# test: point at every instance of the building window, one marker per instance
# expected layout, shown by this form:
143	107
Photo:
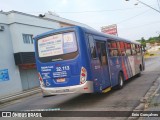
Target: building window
27	38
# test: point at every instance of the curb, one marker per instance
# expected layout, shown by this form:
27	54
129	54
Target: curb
145	101
19	95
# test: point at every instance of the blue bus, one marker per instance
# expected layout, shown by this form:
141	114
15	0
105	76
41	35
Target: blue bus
78	60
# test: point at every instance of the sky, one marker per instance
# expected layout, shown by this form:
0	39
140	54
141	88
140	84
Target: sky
133	21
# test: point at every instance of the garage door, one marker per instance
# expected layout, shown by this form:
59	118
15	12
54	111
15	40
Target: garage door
29	78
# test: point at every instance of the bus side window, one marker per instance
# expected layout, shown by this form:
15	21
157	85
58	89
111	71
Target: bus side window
118	47
133	47
98	45
104	54
138	49
101	50
122	49
92	47
128	49
113	48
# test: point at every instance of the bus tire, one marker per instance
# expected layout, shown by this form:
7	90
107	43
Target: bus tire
120	81
44	96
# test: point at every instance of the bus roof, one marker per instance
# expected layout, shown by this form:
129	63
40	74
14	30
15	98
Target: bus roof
108	35
92	31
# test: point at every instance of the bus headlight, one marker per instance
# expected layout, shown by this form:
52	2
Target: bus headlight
83	75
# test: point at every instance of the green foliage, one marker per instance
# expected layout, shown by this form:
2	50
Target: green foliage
143	41
151	40
152	54
147	53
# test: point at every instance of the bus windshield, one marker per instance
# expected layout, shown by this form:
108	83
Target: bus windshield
55	47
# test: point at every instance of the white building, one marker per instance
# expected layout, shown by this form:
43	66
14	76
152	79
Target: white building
17	63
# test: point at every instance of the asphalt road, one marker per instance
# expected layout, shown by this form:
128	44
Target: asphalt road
125	99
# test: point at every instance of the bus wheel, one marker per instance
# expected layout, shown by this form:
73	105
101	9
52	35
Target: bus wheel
120	81
44	96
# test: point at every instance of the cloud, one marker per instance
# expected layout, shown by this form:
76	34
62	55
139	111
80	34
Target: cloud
64	2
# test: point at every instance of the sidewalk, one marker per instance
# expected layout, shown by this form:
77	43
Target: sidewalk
150	102
154	105
19	95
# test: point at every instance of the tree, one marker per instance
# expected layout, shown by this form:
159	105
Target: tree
158	39
143	42
151	40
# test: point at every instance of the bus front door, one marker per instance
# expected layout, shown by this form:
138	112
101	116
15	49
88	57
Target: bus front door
103	61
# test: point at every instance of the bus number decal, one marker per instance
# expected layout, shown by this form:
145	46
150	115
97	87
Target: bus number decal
58	69
65	68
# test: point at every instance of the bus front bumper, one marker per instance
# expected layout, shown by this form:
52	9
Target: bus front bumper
87	87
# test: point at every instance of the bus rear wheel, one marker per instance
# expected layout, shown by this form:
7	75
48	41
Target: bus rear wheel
120	81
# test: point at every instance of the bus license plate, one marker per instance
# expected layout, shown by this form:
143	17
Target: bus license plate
61	80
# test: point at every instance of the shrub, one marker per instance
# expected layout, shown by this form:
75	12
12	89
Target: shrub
151	54
147	53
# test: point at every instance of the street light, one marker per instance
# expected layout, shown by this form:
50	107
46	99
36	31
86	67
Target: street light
146	5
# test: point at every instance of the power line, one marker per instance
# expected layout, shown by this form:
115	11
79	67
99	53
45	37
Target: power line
109	10
155	22
137	16
133	17
148	6
90	11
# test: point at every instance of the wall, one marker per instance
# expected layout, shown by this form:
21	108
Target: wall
13	85
17	38
4	18
65	25
11	41
27	24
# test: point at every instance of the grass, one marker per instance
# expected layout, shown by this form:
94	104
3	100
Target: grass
147	55
151	54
